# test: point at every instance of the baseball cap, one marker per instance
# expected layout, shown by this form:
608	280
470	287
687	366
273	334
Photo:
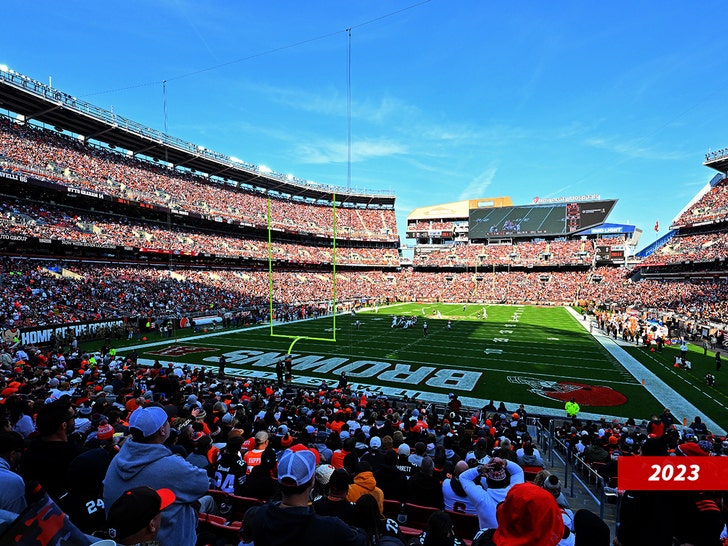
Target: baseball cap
148	420
375	442
296	466
404	449
136	507
261	436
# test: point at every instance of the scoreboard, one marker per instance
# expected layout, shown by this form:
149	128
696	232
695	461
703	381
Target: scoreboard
535	220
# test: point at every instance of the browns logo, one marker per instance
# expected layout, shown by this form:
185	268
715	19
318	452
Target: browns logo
584	395
181	350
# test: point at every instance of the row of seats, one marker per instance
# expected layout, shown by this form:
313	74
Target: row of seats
411	517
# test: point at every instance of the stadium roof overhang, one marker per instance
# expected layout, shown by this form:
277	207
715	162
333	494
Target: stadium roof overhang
719	163
35	101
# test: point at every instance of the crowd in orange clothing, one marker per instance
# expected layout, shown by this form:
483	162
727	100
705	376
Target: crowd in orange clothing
402	452
519	254
33	220
711	207
40	293
703	247
69	162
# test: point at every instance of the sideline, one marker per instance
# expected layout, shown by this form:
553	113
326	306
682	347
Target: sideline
664	394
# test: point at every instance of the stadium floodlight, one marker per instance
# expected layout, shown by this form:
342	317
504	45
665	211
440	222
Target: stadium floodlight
4	68
290	177
264	169
235	159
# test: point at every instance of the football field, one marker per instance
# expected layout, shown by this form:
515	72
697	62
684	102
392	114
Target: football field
538	356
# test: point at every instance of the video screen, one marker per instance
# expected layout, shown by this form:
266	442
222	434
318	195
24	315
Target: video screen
533	220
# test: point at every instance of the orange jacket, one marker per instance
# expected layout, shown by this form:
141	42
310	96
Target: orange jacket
365	484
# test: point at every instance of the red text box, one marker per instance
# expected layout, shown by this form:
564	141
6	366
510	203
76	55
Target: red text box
673	473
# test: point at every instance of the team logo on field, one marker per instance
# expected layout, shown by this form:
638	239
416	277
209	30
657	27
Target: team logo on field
181	350
584	395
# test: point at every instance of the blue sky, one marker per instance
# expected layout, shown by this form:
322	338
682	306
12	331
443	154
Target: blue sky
449	99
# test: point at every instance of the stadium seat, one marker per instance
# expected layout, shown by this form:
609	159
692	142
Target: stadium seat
409	532
392	508
529	472
232	507
466	525
417	515
219	526
240	505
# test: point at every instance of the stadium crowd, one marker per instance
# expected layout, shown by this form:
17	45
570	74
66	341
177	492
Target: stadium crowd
91	426
702	247
314	464
33	220
711	207
70	162
554	253
38	293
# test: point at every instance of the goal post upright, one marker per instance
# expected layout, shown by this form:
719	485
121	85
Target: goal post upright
297	338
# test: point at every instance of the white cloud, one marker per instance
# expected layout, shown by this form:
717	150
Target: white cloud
477	186
328	151
634	148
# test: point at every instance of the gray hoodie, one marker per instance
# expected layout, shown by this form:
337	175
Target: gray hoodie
154	465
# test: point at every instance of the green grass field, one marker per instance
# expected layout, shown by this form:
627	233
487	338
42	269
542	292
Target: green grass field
538	356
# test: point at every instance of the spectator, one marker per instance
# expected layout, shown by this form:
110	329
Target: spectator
230	468
48	457
83	503
374	455
336	503
596	453
500	476
381	531
365	484
293	521
416	458
261	483
252	457
22	417
144	460
403	463
423	488
642	513
590	529
338	456
136	516
439	532
12	487
390	479
528	455
454	497
528	516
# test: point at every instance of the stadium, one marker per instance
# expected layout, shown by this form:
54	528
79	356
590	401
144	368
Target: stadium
116	235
